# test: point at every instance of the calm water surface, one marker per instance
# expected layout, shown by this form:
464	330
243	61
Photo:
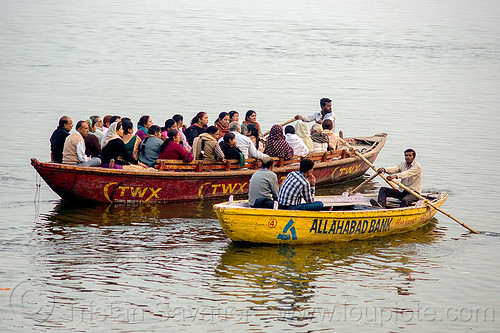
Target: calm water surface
425	72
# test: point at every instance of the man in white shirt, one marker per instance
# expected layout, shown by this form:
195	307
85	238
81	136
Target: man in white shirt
74	147
297	144
410	173
325	113
244	143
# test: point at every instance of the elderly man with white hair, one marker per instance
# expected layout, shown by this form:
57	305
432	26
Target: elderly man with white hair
244	143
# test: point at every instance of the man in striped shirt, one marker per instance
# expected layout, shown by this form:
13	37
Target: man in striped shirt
299	185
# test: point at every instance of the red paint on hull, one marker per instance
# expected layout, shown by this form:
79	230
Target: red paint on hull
73	183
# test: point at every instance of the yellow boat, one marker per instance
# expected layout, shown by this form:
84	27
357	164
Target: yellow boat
345	218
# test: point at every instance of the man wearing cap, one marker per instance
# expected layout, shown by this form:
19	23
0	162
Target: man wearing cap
263	188
299	185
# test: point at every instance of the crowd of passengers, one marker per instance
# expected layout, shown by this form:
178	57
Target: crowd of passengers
114	142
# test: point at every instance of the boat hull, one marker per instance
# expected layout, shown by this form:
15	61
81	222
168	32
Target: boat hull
303	227
74	183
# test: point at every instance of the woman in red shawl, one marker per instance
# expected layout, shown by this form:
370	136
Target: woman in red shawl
222	123
250	118
276	145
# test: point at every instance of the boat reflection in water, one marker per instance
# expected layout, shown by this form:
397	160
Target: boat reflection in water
125	214
286	277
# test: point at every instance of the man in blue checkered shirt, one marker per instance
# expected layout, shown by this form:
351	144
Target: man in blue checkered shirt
299	185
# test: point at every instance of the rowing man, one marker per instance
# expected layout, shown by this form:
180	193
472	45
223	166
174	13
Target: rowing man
325	113
410	173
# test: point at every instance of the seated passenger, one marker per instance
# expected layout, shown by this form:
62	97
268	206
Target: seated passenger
169	124
298	146
92	142
114	153
198	126
250	118
230	148
99	127
253	134
179	121
172	150
74	147
263	187
143	125
320	140
150	146
301	131
234	116
205	146
105	124
276	145
222	123
131	140
297	186
244	143
58	137
333	139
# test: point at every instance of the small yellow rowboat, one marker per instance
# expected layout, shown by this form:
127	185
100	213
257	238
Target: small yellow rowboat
345	218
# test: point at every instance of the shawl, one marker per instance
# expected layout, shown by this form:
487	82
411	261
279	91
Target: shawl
301	131
320	138
211	149
222	130
110	135
276	145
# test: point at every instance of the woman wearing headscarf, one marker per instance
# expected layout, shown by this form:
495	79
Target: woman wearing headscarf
320	140
276	145
301	131
92	143
114	153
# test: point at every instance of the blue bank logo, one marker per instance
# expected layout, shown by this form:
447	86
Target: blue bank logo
288	232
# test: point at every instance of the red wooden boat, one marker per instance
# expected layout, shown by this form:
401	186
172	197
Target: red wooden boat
178	181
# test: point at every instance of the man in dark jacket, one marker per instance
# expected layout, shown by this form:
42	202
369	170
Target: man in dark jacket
58	137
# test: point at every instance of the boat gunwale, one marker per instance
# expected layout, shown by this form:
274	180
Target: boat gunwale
400	211
379	139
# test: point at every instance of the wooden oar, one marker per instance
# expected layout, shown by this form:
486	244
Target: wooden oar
366	161
363	183
391	182
283	124
433	206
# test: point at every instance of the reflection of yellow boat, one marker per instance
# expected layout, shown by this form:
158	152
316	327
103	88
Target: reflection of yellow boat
349	218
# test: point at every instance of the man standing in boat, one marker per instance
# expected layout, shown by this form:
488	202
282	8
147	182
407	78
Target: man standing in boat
299	185
410	173
325	113
263	188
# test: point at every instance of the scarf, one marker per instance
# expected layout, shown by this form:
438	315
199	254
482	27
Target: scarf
301	131
256	124
276	145
110	135
142	128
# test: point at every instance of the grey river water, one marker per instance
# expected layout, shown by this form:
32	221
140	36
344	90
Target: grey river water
425	72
